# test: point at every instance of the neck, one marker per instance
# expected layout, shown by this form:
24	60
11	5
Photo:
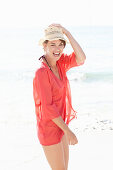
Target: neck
51	63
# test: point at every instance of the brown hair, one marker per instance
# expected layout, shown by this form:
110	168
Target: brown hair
46	41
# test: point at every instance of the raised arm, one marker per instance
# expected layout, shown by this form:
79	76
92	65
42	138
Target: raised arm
79	54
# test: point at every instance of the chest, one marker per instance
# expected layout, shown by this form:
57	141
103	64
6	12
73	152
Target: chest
58	83
56	73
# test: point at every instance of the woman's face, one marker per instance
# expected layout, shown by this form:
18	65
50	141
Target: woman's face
53	49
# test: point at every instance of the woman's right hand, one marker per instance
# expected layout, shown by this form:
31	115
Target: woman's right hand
72	139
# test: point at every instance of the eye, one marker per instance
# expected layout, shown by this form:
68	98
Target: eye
61	44
52	45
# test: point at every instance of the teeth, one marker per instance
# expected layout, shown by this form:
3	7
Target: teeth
57	53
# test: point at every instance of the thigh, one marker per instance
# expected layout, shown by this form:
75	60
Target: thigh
55	156
66	150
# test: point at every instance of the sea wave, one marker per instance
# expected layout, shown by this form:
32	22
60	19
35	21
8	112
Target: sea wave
91	76
28	75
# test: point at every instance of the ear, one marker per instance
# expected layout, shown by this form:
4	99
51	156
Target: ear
44	46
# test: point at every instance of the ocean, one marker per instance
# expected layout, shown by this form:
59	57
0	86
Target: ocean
91	85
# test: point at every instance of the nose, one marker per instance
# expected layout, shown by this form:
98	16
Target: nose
58	48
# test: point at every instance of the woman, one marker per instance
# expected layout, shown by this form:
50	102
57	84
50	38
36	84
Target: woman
52	95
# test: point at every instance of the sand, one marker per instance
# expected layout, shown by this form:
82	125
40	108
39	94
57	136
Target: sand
20	149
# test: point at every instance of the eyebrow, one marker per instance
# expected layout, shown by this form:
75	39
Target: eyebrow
52	43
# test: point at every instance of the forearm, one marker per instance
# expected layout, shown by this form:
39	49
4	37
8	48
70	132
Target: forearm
80	55
69	134
60	123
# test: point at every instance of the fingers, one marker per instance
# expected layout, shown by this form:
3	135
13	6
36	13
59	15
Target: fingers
59	26
73	141
71	138
55	25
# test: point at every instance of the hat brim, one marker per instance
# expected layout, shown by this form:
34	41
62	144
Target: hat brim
41	41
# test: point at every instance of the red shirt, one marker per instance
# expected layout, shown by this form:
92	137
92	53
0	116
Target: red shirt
52	97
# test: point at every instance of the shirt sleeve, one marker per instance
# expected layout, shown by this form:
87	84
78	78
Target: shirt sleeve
43	89
68	61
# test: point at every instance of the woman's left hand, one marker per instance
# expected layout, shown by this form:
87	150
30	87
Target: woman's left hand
79	54
64	30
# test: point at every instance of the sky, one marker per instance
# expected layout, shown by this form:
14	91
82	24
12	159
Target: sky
37	13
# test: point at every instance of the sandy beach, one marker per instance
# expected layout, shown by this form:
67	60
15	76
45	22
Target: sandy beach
20	149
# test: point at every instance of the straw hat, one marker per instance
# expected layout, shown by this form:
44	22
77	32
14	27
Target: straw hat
52	33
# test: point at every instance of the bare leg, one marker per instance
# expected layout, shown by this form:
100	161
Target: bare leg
55	156
66	150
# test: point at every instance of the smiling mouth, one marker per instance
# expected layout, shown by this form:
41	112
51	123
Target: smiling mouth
56	54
